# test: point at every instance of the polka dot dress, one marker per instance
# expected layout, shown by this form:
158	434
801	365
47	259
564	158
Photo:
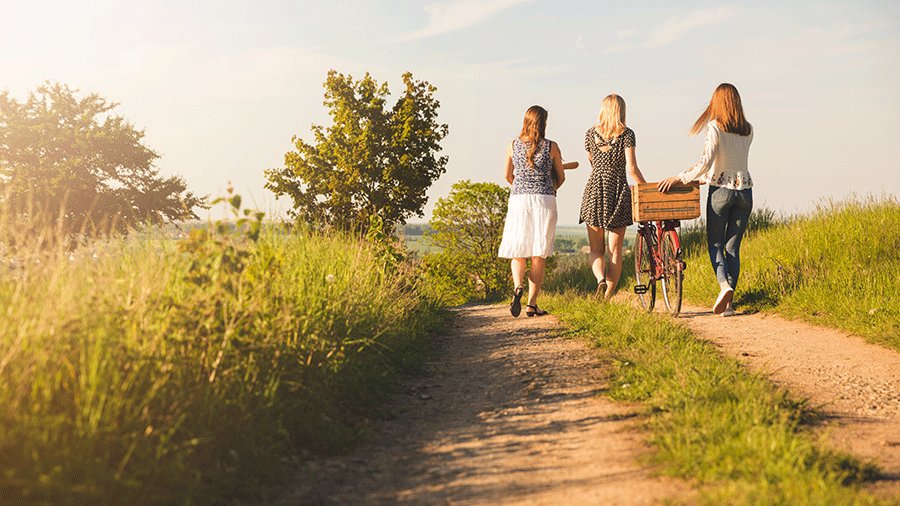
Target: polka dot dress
607	199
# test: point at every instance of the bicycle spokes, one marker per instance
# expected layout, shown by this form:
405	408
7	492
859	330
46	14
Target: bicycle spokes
644	263
672	271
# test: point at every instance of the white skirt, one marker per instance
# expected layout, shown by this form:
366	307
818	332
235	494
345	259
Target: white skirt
530	227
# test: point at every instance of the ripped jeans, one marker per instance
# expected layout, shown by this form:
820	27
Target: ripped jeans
727	215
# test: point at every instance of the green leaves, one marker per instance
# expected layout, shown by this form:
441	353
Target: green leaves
468	226
68	157
370	161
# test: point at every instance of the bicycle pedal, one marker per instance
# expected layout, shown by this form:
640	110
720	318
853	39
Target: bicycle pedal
640	289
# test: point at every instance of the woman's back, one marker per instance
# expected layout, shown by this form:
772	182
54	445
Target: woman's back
729	166
537	180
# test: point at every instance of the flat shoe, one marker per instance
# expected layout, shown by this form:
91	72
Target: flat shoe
536	312
601	288
516	306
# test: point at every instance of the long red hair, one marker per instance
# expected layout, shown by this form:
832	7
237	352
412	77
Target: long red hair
726	109
533	128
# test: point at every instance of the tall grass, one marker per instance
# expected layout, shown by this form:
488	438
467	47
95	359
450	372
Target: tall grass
568	273
727	429
157	371
836	266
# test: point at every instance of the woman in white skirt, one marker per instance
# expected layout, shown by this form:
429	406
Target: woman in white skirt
534	169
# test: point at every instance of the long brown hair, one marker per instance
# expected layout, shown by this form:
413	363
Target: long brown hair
726	109
533	128
611	120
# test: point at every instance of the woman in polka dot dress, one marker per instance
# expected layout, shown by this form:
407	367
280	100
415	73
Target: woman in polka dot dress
606	204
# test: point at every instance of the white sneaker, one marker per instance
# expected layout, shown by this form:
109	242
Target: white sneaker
723	300
729	311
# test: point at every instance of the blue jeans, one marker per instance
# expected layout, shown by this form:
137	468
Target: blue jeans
727	215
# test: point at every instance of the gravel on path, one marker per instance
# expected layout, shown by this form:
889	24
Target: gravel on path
513	414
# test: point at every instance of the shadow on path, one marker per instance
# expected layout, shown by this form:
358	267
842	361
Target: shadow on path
512	414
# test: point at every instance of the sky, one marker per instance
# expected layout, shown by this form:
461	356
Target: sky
221	87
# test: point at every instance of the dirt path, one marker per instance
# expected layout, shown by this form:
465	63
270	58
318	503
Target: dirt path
855	384
514	415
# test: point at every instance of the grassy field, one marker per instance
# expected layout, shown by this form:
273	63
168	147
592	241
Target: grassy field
155	371
162	371
836	266
714	422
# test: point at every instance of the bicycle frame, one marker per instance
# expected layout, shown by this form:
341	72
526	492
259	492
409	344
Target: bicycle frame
662	263
658	229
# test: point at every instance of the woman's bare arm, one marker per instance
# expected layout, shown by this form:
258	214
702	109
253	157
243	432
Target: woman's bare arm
509	175
632	166
556	155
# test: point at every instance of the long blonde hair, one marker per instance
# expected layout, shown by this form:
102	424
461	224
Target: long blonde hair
611	120
533	128
726	109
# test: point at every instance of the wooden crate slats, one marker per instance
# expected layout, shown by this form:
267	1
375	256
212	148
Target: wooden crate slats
681	202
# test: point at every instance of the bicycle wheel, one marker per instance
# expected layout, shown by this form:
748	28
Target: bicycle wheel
672	272
643	272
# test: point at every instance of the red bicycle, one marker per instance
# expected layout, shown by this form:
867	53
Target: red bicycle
657	256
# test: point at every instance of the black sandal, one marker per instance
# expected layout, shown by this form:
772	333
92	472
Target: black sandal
516	306
601	288
536	312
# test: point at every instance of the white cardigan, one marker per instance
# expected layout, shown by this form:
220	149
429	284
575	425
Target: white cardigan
724	160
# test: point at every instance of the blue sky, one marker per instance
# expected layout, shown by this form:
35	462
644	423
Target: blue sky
220	88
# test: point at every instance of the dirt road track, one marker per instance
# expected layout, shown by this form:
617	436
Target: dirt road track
514	415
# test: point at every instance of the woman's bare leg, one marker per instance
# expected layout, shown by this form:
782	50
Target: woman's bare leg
518	267
597	258
535	279
616	240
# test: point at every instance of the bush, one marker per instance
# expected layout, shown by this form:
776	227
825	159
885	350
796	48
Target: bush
468	228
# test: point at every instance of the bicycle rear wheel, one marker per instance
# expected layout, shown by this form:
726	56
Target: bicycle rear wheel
673	275
643	272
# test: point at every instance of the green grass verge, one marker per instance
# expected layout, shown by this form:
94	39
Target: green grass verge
836	266
181	372
741	439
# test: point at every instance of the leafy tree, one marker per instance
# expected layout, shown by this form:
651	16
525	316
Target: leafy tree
68	158
468	226
370	161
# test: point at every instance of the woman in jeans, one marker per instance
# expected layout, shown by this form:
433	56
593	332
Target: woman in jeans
724	166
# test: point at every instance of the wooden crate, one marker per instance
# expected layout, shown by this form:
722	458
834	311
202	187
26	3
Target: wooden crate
681	202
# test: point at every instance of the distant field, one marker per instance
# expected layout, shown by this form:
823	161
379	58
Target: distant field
420	244
571	230
415	241
581	231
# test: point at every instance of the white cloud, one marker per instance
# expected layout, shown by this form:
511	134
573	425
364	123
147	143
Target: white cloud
451	16
675	28
617	48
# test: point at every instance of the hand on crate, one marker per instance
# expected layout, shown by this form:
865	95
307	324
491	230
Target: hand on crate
667	183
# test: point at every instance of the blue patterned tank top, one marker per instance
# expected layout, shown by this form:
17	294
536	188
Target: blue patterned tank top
532	181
